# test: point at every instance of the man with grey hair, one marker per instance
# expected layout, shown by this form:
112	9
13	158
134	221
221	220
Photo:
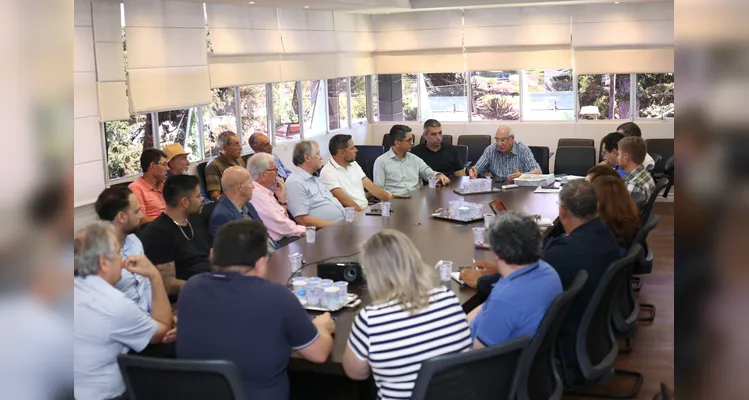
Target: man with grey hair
260	143
519	300
107	323
506	159
269	199
230	154
310	201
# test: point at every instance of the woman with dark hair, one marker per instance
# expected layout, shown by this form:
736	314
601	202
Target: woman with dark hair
617	209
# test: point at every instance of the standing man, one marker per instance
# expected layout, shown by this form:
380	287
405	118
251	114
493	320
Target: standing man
310	202
398	171
148	188
345	178
176	159
632	151
260	143
230	154
506	159
441	157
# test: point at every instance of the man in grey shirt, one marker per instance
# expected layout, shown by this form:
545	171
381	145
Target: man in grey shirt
506	159
398	171
310	201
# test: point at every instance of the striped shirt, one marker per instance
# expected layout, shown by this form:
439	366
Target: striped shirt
501	165
396	343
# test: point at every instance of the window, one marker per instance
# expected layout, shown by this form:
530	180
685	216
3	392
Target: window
220	116
548	95
125	142
359	100
337	103
285	112
253	110
180	126
604	96
410	97
496	95
655	95
313	104
446	95
375	99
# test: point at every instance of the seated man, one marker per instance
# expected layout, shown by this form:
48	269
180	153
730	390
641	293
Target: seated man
176	159
119	206
107	323
400	172
178	241
260	143
345	178
631	129
230	154
269	200
310	202
528	285
610	151
441	157
506	159
233	313
632	151
148	188
235	203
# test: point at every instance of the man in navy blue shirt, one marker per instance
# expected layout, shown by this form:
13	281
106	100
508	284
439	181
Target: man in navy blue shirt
233	313
528	285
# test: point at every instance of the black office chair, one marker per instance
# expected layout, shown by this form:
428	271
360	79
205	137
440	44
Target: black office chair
487	373
205	215
669	173
537	378
663	147
656	159
476	145
644	263
366	156
648	208
595	345
640	199
246	157
149	378
201	175
387	143
445	139
463	155
574	160
541	154
575	142
121	184
627	310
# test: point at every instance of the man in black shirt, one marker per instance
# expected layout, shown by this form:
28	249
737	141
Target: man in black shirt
441	157
177	241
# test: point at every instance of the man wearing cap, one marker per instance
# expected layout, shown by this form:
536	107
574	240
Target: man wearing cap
176	159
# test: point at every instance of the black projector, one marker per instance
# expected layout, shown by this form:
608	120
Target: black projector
344	271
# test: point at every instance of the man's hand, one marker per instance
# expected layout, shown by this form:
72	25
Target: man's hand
442	179
470	276
139	264
473	173
488	266
279	189
170	336
325	323
515	174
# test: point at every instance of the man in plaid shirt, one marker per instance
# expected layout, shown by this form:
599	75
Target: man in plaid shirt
632	151
506	159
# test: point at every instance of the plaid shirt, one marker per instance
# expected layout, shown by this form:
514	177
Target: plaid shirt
501	165
640	181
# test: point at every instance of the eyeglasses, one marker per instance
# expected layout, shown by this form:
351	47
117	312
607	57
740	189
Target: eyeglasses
272	169
410	140
164	164
504	139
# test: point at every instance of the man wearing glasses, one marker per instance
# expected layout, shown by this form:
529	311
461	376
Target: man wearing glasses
147	188
230	155
506	159
398	171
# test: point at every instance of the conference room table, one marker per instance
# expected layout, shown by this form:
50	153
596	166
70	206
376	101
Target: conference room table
435	239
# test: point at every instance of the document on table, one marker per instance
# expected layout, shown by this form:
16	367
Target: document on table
549	190
456	277
568	178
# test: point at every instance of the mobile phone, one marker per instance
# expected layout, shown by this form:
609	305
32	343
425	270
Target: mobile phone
460	269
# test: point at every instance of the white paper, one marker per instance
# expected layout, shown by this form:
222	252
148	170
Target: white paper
542	190
456	277
569	178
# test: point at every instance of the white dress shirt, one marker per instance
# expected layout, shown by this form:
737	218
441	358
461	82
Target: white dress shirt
348	179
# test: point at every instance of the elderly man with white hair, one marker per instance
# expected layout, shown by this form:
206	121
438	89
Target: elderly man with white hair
107	323
506	159
269	199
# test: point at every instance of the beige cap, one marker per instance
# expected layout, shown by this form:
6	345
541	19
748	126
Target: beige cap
173	150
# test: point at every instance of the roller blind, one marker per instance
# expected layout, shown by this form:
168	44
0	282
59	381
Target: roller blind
417	31
510	58
448	60
110	62
624	61
623	25
517	26
309	43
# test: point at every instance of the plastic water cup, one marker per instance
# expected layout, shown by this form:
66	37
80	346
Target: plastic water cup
314	292
324	284
464	213
446	269
453	207
385	208
311	231
295	260
488	219
487	184
332	299
476	210
342	290
349	214
475	185
432	182
300	289
478	236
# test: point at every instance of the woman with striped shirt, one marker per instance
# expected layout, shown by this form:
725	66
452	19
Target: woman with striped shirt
411	319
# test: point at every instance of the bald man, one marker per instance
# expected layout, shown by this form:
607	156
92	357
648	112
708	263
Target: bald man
506	158
235	202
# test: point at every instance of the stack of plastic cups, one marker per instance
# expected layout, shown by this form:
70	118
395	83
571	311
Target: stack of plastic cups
324	284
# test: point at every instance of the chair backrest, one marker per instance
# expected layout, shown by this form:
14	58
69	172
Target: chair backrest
595	345
648	208
366	156
669	168
640	199
664	147
656	158
206	212
387	143
462	154
246	157
476	145
541	154
486	373
169	379
201	175
445	139
574	160
537	378
575	142
646	228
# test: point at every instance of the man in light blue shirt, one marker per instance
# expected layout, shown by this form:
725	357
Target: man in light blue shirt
260	143
310	201
398	171
119	206
107	323
506	159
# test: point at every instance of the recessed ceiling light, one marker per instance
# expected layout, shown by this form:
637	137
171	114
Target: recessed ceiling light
252	2
616	2
306	6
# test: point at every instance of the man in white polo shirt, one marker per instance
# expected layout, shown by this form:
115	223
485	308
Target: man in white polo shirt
345	178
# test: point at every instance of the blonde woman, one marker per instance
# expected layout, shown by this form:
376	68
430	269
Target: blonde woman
411	319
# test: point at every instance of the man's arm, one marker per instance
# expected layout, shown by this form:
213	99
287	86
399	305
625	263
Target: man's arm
320	349
376	191
378	173
346	201
482	164
168	273
212	182
161	310
308	220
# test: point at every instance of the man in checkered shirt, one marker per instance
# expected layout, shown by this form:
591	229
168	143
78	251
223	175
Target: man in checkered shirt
506	159
632	151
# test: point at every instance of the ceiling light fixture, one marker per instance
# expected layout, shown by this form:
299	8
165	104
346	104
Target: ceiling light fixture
306	6
252	2
616	2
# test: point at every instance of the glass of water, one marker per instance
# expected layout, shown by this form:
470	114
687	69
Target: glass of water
446	269
478	236
295	260
432	182
385	208
488	219
349	213
310	234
